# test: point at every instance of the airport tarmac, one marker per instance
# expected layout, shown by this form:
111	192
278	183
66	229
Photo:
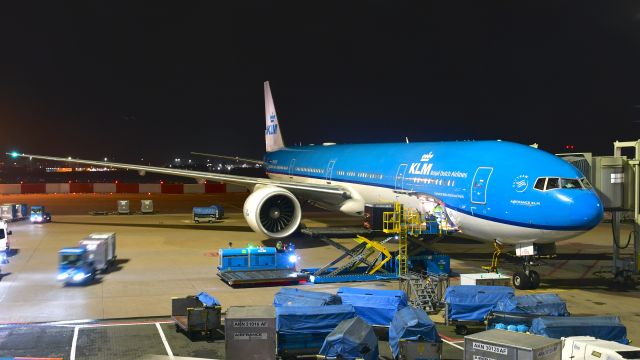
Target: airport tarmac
166	255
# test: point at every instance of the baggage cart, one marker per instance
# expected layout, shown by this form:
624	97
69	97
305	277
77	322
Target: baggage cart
199	314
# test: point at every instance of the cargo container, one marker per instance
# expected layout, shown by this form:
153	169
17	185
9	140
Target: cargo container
490	279
250	333
508	345
8	212
123	207
146	206
21	211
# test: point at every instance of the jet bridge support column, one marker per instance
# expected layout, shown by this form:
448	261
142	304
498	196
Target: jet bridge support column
631	199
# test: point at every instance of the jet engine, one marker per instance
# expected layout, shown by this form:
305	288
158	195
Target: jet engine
272	211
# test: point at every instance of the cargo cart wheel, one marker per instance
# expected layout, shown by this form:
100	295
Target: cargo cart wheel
534	279
196	221
462	330
521	280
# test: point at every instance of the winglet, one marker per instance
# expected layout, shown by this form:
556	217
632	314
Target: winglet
272	133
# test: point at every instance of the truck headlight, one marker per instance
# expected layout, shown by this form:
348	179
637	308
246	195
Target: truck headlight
79	276
63	276
293	258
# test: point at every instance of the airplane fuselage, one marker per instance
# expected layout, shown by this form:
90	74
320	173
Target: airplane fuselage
492	190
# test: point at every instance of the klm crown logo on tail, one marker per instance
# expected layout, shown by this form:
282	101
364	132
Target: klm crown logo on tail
272	127
272	134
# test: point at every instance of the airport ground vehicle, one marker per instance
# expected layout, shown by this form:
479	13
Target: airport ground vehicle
4	236
39	215
590	348
254	265
209	213
80	264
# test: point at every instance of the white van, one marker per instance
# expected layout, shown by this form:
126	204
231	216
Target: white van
4	236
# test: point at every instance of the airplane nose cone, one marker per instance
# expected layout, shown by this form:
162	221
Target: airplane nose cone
586	210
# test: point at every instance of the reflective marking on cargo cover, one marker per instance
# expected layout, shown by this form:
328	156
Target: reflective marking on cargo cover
250	324
491	348
250	336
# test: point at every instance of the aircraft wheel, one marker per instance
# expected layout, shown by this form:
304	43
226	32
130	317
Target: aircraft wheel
521	280
534	279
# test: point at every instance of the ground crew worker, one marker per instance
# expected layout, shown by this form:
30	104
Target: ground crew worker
279	246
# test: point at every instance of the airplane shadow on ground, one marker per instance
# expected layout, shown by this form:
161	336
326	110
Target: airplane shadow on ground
166	226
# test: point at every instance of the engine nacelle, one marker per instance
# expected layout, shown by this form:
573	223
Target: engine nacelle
272	211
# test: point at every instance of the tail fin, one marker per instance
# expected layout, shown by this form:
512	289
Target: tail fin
272	134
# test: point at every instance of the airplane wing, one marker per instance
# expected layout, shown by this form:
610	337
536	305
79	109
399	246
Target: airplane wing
337	193
229	157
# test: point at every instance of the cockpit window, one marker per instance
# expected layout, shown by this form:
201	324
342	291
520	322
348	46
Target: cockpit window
550	183
570	184
553	183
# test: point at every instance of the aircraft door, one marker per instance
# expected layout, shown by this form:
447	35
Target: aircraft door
479	185
329	171
399	184
291	166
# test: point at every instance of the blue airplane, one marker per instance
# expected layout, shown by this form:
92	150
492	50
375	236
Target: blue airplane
494	191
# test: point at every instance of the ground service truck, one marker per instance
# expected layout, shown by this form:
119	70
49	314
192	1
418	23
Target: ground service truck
39	215
80	264
4	236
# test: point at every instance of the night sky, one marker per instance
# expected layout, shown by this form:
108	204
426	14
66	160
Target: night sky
131	80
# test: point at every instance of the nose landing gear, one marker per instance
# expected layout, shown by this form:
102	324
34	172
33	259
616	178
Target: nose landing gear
525	279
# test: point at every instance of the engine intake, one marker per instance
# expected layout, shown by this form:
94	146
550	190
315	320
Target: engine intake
272	211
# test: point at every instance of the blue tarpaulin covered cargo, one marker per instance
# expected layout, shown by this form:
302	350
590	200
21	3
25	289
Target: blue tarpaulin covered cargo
473	302
207	299
411	324
294	319
601	327
376	307
540	304
297	297
302	329
351	339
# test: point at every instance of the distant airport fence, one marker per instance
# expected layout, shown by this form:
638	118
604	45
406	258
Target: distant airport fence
120	188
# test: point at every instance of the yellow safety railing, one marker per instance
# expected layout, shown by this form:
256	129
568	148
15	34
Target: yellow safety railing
395	222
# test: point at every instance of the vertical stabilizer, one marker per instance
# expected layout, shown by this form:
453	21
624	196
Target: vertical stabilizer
272	134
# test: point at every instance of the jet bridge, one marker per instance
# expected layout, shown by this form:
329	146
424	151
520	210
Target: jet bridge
616	181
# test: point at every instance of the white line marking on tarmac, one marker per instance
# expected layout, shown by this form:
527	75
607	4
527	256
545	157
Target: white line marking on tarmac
454	345
164	341
73	343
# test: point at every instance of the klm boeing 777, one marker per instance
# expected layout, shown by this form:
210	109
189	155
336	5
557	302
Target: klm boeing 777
494	191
